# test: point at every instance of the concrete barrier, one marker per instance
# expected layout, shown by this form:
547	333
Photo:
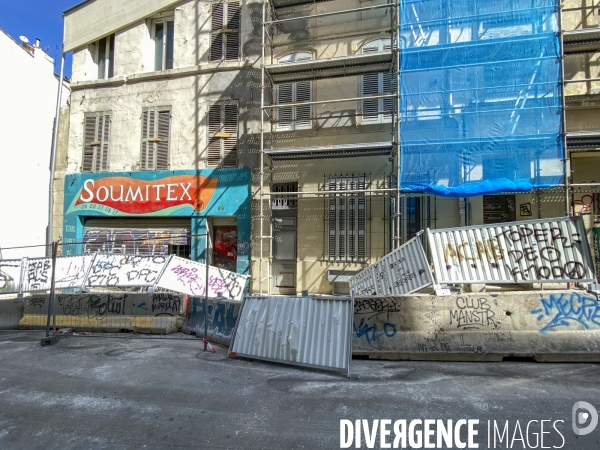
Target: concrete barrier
548	326
156	313
11	312
222	317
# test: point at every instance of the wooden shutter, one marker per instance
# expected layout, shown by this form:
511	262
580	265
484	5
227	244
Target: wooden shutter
223	135
232	38
102	159
332	200
96	142
89	151
214	127
303	112
216	37
230	126
147	156
162	133
370	108
285	94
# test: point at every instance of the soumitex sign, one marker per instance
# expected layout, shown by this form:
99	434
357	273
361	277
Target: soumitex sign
117	194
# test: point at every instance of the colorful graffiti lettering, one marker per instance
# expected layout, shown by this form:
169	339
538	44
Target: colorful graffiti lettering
567	309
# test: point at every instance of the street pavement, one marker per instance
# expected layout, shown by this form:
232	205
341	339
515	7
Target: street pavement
112	393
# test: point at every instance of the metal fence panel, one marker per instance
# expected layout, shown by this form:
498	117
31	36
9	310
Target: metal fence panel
532	251
401	272
307	331
188	277
126	270
10	275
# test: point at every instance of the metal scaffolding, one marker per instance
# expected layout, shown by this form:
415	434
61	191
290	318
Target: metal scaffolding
273	12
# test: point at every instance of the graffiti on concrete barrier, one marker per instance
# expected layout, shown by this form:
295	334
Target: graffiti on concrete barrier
37	302
567	309
372	307
371	333
166	303
473	314
93	306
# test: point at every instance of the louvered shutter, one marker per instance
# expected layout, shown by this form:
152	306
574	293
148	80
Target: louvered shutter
89	150
303	112
361	224
162	133
370	107
232	38
216	37
285	94
214	126
332	200
231	127
341	221
378	110
147	157
102	161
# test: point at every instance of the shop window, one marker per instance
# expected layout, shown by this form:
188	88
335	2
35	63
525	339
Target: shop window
105	57
347	219
156	124
378	83
299	116
163	32
222	134
96	142
225	31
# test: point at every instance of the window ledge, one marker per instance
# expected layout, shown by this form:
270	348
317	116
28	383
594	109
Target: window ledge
212	67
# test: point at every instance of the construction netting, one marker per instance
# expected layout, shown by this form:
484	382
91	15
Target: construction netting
481	109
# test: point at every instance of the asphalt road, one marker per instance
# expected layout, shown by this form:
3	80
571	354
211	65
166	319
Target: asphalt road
101	393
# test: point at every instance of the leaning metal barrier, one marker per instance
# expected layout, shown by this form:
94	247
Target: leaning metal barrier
305	331
533	251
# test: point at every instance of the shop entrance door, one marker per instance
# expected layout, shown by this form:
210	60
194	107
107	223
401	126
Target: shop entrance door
285	231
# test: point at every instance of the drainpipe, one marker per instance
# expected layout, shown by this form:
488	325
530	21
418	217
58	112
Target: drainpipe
55	141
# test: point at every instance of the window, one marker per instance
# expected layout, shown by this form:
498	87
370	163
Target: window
163	31
347	219
377	110
96	142
156	124
225	31
222	134
105	57
294	117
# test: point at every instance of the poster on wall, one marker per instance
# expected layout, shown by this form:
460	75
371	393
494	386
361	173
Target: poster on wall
189	277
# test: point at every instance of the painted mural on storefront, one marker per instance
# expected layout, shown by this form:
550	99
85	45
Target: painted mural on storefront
198	195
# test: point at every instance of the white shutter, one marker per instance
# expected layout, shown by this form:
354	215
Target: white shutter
232	39
378	110
303	93
297	116
217	18
162	133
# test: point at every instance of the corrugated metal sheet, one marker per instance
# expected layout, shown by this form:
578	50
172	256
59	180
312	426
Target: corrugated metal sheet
307	331
401	272
10	276
533	251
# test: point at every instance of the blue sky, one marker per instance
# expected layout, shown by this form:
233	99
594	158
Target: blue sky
37	19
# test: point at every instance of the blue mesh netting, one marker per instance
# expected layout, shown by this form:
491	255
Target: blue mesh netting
481	107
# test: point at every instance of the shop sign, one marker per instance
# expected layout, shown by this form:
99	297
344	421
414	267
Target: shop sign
134	196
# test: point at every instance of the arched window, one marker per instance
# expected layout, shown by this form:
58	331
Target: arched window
377	110
295	117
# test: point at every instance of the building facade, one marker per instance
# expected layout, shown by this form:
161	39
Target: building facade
275	127
28	88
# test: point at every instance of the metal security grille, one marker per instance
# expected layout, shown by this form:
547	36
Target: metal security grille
284	201
347	219
96	142
223	134
225	31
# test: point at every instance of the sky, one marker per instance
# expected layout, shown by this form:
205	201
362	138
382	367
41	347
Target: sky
38	19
